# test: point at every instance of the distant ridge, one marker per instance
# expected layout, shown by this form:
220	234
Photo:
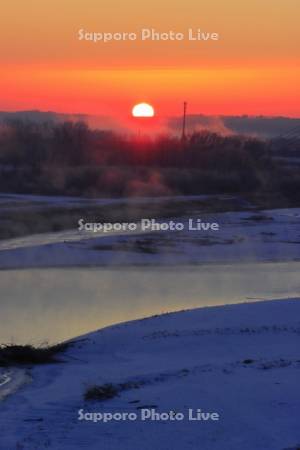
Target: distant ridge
260	126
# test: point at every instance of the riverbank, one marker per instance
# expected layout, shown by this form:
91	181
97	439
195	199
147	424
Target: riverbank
238	361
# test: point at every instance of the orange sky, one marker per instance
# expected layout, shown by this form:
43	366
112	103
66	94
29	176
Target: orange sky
252	69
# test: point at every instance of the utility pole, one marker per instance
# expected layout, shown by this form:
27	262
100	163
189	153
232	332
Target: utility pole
183	137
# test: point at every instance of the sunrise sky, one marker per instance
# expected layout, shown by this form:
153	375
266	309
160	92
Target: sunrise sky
252	69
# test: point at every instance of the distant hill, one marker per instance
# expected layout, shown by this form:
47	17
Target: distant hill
260	126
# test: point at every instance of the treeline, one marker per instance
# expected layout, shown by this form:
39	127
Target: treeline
73	144
72	159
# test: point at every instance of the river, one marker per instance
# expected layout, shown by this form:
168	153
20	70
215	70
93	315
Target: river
50	305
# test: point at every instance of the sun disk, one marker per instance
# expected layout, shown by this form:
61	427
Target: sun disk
143	110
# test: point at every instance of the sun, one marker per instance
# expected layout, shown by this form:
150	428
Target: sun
143	110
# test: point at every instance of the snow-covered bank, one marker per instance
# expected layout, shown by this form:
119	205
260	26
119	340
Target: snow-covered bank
11	380
271	235
241	361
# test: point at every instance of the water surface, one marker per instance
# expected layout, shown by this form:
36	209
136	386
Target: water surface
39	305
